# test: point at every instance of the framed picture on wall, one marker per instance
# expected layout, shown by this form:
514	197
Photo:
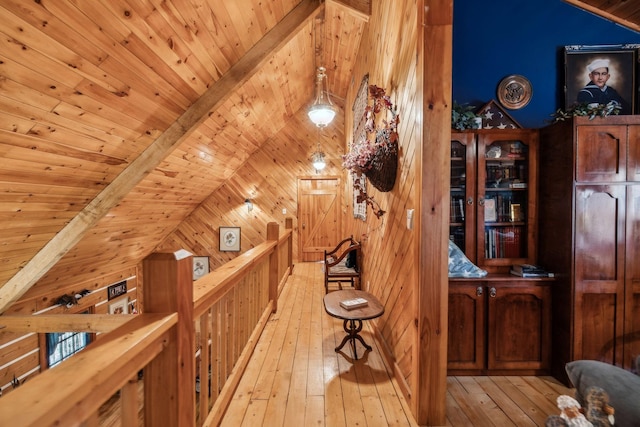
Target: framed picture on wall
230	239
602	74
120	306
200	266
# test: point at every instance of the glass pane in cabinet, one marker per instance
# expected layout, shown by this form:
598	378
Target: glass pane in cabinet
505	200
458	191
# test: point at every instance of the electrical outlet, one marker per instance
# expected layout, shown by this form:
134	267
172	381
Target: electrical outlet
284	211
367	286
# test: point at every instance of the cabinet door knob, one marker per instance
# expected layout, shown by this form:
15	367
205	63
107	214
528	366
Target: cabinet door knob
492	292
479	291
481	201
470	201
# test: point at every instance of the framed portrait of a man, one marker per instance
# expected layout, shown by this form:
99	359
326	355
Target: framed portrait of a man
599	75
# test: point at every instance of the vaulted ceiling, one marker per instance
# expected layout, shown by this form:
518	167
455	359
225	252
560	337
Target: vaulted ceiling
119	117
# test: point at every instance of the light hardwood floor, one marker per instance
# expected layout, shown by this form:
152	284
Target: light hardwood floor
295	378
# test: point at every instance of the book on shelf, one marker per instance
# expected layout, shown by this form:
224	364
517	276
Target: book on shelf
518	185
531	275
529	270
350	304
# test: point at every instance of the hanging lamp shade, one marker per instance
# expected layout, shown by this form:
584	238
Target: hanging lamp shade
318	161
322	112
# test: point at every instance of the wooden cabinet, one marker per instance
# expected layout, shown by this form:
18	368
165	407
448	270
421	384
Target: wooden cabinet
589	214
493	196
499	325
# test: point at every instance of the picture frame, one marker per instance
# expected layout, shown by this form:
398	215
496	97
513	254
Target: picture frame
200	266
623	72
229	239
120	306
359	187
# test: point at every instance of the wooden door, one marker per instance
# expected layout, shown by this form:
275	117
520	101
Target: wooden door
599	272
519	326
601	153
632	278
633	160
462	225
318	216
507	198
466	347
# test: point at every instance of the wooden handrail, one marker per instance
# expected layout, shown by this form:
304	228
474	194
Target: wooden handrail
210	288
95	323
74	390
128	344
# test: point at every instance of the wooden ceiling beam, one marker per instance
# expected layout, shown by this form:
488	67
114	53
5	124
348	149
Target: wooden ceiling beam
604	13
151	158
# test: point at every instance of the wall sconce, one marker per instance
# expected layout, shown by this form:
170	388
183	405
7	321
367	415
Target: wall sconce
249	204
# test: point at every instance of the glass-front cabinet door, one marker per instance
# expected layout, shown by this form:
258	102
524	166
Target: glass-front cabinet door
506	197
462	214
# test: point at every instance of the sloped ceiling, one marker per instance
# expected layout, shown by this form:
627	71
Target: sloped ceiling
118	117
623	12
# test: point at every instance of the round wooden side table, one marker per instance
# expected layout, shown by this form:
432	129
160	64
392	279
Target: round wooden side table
352	317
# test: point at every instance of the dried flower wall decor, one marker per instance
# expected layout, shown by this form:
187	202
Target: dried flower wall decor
376	155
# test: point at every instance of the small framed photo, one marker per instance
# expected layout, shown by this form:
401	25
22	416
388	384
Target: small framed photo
230	239
120	306
200	266
602	74
490	213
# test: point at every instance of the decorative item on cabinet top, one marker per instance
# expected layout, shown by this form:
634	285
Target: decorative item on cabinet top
598	75
377	158
495	117
464	117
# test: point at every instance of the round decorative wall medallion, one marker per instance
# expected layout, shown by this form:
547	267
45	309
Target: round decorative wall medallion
514	92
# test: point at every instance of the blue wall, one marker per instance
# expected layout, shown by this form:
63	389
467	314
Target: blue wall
494	39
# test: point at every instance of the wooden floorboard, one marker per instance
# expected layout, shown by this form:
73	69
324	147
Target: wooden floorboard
295	377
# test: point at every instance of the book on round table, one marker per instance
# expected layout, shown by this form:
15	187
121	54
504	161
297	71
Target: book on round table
350	304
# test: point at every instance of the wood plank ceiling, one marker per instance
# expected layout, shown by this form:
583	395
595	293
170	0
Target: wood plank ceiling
119	117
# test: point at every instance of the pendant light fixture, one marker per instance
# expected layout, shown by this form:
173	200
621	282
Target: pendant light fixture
318	157
322	112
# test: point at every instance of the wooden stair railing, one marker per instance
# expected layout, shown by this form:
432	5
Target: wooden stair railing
234	301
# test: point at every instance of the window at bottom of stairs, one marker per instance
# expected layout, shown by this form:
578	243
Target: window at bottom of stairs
63	345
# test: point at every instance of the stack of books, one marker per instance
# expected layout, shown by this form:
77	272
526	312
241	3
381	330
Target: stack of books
350	304
529	270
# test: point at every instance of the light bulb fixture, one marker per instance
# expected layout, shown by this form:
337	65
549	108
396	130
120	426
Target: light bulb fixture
318	160
322	112
249	204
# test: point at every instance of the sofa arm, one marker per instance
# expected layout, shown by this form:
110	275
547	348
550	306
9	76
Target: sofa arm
622	386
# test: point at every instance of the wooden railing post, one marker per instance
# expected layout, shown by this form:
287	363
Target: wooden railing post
169	396
288	224
273	233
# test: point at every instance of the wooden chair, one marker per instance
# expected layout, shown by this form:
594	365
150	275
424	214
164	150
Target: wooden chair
343	264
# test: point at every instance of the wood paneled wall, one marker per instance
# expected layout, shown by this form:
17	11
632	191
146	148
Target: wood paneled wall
392	53
388	245
269	177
